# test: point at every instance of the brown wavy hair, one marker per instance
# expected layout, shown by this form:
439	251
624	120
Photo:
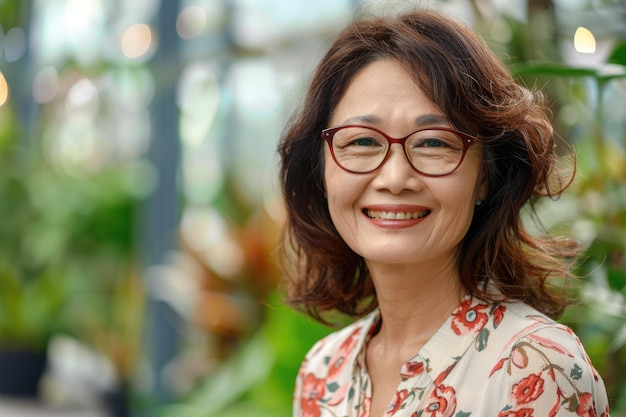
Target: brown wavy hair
456	70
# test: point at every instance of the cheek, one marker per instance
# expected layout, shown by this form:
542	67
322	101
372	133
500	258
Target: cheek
334	181
337	188
342	193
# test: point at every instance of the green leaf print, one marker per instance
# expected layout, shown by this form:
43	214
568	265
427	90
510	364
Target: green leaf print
481	340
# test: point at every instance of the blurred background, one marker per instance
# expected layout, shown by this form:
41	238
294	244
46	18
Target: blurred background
139	207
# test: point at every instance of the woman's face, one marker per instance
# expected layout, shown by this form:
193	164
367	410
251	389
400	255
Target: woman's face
383	95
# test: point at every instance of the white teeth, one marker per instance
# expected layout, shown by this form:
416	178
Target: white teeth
392	215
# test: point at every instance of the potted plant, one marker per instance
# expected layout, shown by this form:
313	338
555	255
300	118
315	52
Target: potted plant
31	311
64	240
30	297
32	294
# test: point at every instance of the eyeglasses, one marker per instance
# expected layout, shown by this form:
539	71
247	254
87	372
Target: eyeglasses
434	151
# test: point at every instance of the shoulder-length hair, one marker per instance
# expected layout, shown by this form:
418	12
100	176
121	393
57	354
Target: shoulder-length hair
456	70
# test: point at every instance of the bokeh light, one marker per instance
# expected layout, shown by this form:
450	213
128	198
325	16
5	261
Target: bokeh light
4	89
584	41
136	40
45	85
191	22
14	44
81	95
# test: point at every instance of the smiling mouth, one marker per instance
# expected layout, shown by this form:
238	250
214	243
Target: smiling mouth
396	215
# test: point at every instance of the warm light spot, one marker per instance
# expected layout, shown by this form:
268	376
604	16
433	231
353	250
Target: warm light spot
584	41
4	89
136	40
191	22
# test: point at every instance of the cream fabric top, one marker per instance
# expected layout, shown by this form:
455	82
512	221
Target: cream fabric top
488	359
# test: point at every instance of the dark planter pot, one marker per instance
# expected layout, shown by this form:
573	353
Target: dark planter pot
20	372
117	401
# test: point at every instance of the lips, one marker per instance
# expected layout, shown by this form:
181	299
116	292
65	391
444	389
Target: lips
396	215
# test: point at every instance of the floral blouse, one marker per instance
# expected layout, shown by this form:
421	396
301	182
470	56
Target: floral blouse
488	359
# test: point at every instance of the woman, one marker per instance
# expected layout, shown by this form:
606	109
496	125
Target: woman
404	175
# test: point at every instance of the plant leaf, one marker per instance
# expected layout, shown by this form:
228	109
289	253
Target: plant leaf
618	56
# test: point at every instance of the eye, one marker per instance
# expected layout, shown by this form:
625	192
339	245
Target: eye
365	142
439	140
431	143
434	143
358	138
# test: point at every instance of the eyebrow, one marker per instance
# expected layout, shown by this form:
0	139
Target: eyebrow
422	120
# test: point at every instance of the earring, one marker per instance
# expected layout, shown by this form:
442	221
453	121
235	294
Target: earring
479	202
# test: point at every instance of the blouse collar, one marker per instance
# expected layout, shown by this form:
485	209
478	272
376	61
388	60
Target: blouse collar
463	329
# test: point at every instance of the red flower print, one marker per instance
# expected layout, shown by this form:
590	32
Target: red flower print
467	318
498	315
411	369
586	406
338	360
312	391
528	389
395	405
441	402
522	412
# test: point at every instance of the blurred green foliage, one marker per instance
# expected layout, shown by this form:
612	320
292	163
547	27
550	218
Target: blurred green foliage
258	379
67	239
63	241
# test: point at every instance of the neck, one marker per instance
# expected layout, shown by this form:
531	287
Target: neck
415	301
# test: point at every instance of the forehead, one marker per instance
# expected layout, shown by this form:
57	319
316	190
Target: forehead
383	91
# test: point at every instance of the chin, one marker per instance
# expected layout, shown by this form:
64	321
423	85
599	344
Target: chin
392	258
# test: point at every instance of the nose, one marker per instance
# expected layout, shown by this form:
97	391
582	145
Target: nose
396	173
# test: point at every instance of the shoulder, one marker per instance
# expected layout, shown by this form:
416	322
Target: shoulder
530	336
543	366
336	353
347	340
